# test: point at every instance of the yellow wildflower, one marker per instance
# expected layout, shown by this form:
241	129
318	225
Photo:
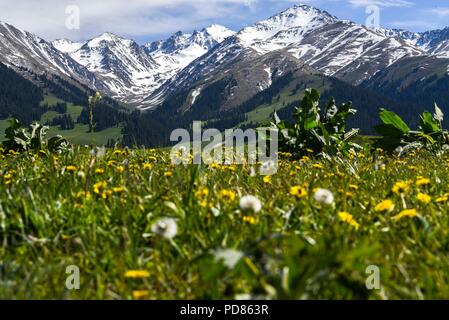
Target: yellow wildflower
202	193
400	187
168	174
353	187
250	219
409	213
99	171
317	166
384	206
204	204
349	219
120	169
422	181
118	189
147	166
424	198
267	179
137	274
140	294
8	179
228	194
99	187
442	199
298	191
71	168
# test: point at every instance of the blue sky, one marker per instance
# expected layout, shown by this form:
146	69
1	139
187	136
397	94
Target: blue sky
146	20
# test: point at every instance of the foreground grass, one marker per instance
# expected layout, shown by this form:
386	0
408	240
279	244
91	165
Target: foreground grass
96	212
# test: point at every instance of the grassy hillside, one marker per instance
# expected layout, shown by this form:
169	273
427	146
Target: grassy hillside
79	135
101	216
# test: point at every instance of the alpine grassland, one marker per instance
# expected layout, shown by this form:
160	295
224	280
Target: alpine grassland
337	220
139	228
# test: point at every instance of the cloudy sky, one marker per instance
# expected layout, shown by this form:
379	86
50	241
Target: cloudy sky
145	20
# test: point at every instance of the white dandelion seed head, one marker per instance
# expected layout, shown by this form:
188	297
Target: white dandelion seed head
165	227
250	203
268	168
81	175
324	196
230	257
399	150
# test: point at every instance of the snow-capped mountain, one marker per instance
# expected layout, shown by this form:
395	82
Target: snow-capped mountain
343	49
21	49
435	42
146	75
123	65
131	71
178	51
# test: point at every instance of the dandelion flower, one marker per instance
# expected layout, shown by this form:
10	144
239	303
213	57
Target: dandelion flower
298	191
409	213
137	274
384	206
227	194
250	220
202	193
165	227
168	174
324	196
99	187
424	198
422	181
147	166
250	203
349	219
400	187
71	168
140	294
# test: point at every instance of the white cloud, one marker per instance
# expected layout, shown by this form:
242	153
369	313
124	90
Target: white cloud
442	11
128	18
381	3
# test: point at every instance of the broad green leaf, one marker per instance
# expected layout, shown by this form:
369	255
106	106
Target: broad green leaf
391	118
428	123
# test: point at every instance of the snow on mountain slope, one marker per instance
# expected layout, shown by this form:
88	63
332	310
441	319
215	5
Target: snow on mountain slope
132	72
66	45
21	49
435	42
175	53
338	48
128	71
302	18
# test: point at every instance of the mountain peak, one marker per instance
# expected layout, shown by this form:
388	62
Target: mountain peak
299	16
218	32
104	37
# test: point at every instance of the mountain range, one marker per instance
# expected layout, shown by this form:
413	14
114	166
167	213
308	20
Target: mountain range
227	70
